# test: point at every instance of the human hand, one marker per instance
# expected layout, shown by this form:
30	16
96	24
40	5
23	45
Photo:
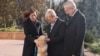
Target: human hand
73	55
47	39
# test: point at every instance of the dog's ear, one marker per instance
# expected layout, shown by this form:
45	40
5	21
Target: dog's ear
35	40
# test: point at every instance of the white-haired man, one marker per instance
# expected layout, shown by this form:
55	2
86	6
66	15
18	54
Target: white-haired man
75	30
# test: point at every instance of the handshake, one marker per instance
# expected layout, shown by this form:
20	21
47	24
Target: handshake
41	43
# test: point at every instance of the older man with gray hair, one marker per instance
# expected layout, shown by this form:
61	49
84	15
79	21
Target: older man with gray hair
75	30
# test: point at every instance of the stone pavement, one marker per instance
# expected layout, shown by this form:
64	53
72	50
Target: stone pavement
15	47
87	53
11	47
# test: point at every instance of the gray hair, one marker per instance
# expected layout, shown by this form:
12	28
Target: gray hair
70	3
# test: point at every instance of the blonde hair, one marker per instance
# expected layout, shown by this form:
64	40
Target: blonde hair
50	13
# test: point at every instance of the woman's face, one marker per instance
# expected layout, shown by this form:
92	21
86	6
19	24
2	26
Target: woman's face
33	16
50	19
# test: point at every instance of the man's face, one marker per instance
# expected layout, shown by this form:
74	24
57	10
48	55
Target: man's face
68	10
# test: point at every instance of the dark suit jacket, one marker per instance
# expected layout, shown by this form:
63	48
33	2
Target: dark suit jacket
56	44
75	35
32	31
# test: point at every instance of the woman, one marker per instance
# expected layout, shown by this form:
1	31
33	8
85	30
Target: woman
32	29
56	32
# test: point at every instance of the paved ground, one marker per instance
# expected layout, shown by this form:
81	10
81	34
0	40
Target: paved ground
87	53
15	47
11	47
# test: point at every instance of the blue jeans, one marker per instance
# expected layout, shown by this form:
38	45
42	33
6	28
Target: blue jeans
35	54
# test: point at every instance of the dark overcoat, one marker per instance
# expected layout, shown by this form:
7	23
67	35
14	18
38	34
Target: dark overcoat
74	35
56	35
31	30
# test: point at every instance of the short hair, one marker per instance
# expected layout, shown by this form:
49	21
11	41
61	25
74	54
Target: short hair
50	13
70	3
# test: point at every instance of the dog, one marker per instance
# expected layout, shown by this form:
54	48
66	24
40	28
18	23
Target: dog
41	43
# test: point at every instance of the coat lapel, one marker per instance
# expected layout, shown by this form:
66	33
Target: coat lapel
35	26
55	26
71	19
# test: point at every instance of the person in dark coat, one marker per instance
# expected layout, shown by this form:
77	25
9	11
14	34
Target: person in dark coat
75	31
56	32
32	30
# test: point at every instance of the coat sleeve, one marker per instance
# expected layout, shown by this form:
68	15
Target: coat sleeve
60	36
79	35
27	33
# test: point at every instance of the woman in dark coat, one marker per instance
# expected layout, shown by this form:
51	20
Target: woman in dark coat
56	32
32	29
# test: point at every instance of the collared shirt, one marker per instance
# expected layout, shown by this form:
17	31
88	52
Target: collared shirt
52	25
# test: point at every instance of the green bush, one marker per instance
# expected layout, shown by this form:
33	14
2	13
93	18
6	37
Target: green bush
89	38
10	29
95	49
87	45
99	45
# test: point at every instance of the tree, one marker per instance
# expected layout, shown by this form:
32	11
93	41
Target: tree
91	10
7	12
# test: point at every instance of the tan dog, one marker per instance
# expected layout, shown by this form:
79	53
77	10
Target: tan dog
42	46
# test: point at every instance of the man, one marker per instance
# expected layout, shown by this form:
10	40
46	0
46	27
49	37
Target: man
56	32
75	30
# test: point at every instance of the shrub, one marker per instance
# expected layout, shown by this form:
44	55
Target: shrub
89	38
87	45
95	49
10	29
